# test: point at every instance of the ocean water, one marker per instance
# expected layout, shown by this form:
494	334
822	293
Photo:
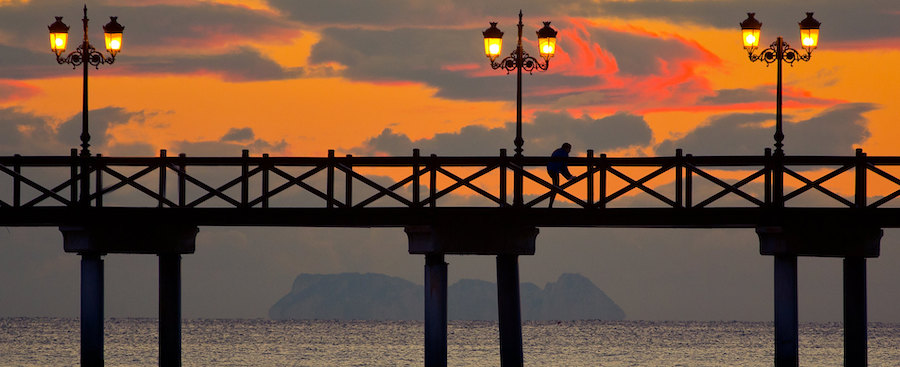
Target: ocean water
133	342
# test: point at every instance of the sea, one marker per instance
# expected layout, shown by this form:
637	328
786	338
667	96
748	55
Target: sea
260	342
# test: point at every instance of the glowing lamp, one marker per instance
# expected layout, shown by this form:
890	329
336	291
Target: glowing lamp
547	41
113	34
493	40
750	32
809	32
59	35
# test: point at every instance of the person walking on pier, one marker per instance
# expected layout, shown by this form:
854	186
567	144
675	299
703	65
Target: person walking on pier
558	166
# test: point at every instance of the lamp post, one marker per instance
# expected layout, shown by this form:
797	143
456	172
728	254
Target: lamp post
519	60
91	261
785	288
85	54
778	52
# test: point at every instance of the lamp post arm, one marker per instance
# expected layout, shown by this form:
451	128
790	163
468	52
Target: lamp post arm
779	51
528	63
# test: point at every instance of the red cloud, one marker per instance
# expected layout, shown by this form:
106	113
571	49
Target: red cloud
11	91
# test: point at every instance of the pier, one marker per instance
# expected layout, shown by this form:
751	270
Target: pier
155	205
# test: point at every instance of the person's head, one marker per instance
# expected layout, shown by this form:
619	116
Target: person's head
567	147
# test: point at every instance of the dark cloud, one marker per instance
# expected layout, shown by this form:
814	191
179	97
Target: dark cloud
157	39
242	64
546	133
841	20
739	95
148	29
30	134
231	144
405	13
832	132
238	134
236	65
21	63
100	122
25	133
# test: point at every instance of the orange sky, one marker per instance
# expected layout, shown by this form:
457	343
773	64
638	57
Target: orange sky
332	107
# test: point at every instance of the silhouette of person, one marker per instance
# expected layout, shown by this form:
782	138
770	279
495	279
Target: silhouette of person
558	166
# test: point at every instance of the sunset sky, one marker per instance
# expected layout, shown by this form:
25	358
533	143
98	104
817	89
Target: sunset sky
381	77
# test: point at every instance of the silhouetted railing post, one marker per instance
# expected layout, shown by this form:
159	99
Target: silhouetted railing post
679	163
416	182
85	194
266	165
518	200
162	177
432	181
590	178
778	179
861	170
73	174
17	182
245	180
348	182
98	180
182	180
768	177
329	185
504	163
601	192
689	181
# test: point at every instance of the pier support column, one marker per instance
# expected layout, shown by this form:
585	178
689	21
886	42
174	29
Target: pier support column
435	310
170	310
91	309
855	313
786	312
510	310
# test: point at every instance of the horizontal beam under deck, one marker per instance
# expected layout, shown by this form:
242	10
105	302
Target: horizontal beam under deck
402	217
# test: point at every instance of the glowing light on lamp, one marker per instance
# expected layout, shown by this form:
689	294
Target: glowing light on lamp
59	34
750	31
493	40
112	32
809	32
547	41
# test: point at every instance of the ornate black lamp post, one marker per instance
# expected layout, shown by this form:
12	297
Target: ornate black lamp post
785	287
91	261
519	60
780	51
85	55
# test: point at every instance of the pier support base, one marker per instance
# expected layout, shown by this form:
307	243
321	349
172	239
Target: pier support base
91	309
507	243
855	313
168	241
510	311
854	242
435	310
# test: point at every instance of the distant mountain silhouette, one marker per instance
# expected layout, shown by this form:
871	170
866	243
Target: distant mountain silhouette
355	296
